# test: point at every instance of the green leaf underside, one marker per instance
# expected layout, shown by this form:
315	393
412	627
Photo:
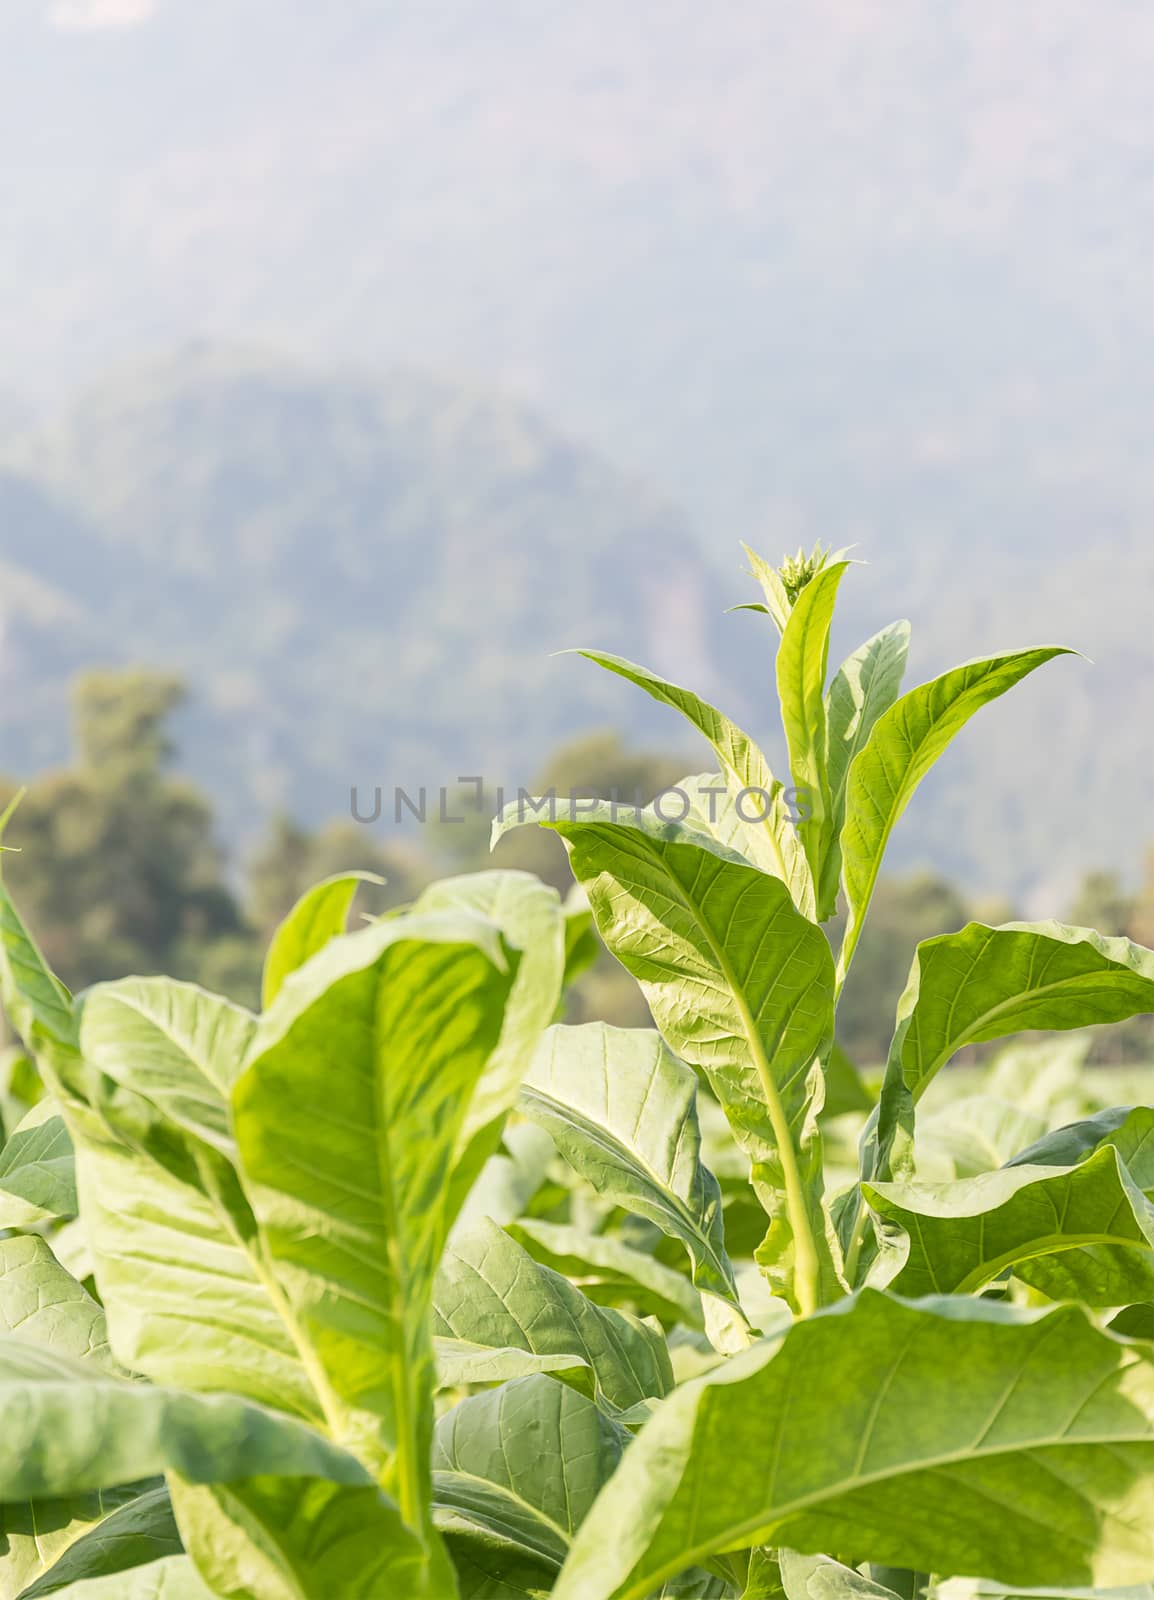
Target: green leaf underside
35	1535
37	1170
610	1271
347	1115
770	838
944	1435
171	1578
1129	1129
133	1535
72	1427
1083	1233
906	741
865	685
174	1044
777	601
518	1468
740	985
820	1578
185	1300
290	1538
318	916
984	983
622	1110
490	1292
801	667
187	1296
460	1362
531	920
42	1305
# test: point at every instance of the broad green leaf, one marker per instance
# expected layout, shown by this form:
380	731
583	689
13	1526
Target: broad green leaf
491	1292
188	1295
802	659
70	1427
37	1170
1130	1129
172	1578
610	1271
43	1305
821	1578
984	983
460	1363
741	986
530	918
712	811
35	1535
318	916
515	1470
173	1044
348	1116
289	1538
770	838
1134	1322
622	1110
949	1435
508	1577
175	1256
777	602
865	685
1080	1233
905	743
133	1535
763	1575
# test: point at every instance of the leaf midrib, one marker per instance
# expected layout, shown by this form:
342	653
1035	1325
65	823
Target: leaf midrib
735	1532
791	1173
603	1138
506	1492
969	1034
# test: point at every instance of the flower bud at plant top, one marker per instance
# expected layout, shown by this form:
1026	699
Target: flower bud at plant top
796	571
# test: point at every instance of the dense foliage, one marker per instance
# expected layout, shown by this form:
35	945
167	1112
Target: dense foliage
401	1287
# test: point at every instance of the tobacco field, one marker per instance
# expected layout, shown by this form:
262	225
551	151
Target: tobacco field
406	1287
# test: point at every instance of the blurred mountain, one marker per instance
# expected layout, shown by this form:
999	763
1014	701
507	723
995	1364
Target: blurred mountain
364	581
863	272
849	269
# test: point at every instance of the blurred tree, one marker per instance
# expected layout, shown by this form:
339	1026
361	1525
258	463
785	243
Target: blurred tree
1102	903
119	869
593	765
1141	923
905	911
292	858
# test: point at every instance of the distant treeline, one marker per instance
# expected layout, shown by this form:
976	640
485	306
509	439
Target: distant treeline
118	862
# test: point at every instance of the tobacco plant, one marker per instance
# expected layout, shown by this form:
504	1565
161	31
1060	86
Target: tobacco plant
405	1288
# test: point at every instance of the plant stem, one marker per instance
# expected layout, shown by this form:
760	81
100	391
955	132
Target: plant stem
806	1266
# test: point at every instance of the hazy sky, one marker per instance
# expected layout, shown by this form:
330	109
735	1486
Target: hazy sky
700	236
871	270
